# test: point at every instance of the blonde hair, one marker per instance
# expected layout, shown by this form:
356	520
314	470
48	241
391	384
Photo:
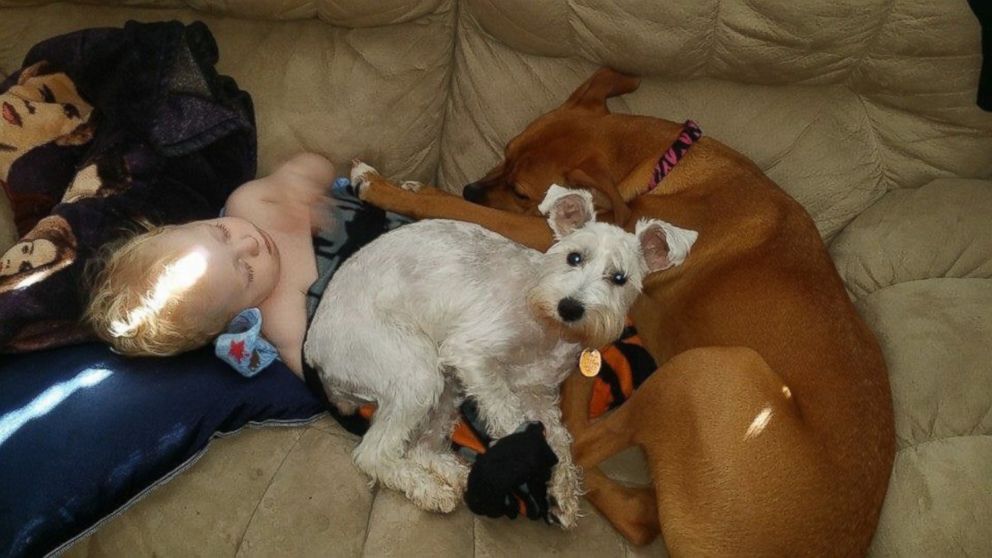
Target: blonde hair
134	304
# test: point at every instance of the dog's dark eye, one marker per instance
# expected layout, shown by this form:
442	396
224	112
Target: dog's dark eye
618	278
574	259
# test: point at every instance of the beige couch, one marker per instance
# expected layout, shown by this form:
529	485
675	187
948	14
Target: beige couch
862	109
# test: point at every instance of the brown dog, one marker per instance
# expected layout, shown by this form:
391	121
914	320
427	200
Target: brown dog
768	430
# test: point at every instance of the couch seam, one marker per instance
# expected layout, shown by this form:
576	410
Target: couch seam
945	438
714	40
866	296
871	42
449	90
368	518
876	143
265	492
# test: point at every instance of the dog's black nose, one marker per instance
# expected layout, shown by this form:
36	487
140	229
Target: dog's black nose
570	309
474	192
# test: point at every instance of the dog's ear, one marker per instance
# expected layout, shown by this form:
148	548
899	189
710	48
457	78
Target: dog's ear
592	174
663	245
603	84
567	209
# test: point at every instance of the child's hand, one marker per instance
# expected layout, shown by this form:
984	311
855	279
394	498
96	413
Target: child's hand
320	208
301	189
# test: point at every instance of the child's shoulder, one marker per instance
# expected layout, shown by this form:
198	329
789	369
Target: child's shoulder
245	199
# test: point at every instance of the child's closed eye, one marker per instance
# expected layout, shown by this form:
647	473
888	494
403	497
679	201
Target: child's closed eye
226	231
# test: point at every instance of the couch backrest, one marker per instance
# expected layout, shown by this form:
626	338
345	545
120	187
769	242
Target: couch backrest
837	101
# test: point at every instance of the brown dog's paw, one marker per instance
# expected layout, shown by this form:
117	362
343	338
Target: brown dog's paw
361	177
412	185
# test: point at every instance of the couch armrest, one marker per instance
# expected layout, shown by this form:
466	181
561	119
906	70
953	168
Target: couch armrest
939	230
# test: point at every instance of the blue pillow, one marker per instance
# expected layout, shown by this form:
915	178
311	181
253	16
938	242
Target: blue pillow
84	431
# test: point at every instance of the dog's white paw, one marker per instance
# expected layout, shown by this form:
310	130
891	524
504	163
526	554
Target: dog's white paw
432	494
452	472
412	185
565	492
344	406
361	173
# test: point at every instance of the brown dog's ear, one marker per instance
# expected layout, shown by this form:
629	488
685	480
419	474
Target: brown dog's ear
603	84
593	175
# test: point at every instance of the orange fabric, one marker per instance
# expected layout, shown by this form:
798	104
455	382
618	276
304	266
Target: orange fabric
367	411
463	436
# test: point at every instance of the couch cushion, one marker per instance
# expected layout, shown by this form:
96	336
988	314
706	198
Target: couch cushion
939	230
340	92
296	492
935	335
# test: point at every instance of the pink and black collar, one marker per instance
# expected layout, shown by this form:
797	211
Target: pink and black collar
689	135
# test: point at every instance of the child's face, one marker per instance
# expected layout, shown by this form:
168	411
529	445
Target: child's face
242	260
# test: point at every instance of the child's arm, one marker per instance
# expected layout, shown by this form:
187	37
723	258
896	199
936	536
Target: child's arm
284	326
291	199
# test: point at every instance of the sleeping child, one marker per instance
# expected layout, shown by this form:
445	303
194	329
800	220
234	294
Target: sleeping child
175	288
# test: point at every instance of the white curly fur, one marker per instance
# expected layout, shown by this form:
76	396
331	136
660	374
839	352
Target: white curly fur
439	310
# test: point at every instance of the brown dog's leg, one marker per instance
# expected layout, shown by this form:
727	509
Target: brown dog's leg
726	447
735	468
632	511
432	203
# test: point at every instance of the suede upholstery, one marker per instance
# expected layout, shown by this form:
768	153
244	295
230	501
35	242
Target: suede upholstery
864	110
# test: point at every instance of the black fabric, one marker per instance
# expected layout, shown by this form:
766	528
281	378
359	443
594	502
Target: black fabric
983	11
516	466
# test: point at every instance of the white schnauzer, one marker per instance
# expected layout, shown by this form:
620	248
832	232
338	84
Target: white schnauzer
437	311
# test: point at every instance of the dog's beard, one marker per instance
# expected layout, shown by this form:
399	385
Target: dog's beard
595	330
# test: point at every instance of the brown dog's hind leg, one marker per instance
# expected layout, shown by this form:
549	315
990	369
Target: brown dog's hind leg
632	511
736	470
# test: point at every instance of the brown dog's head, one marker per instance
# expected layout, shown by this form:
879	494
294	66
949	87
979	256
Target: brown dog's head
561	147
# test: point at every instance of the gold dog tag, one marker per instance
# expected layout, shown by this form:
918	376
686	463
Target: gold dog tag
590	363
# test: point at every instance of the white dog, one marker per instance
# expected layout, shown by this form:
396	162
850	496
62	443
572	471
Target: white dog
439	310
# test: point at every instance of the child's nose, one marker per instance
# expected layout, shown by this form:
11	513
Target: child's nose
248	246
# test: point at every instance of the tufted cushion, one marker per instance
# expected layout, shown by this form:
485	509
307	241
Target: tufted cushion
939	230
935	336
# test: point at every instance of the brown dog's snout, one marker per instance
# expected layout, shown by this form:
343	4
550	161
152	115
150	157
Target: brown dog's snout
475	192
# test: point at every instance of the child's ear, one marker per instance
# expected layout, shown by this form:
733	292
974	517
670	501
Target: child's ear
567	209
663	245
